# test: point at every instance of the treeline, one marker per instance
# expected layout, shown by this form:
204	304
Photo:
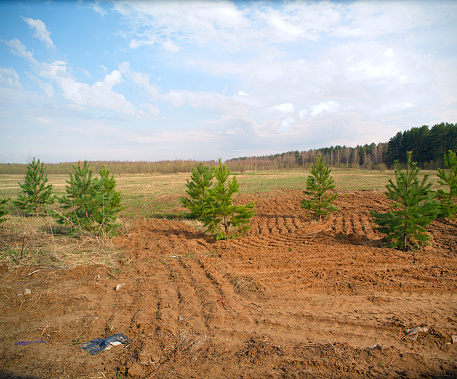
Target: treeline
428	145
366	156
115	167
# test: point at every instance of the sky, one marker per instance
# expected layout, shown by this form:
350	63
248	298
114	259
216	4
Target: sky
156	80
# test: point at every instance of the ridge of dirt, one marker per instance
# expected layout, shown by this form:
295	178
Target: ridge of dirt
293	298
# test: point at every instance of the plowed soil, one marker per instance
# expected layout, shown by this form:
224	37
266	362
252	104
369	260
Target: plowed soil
295	298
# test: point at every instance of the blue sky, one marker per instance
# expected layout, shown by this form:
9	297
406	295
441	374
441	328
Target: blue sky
160	80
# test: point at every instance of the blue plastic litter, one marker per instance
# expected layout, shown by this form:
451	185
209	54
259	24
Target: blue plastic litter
99	344
25	343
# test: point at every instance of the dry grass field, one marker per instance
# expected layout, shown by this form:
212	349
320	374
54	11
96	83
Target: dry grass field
294	298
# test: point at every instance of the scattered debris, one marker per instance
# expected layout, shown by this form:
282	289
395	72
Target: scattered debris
376	347
454	339
25	343
414	332
99	344
33	272
118	287
26	292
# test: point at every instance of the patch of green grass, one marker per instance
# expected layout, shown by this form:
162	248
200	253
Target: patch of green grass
76	341
267	181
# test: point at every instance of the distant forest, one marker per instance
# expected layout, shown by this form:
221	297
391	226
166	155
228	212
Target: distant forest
427	144
428	147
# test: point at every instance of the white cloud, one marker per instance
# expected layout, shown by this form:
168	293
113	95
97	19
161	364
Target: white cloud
86	72
297	21
389	53
152	109
260	24
47	88
97	8
140	79
170	47
284	108
303	113
195	99
99	94
135	44
328	106
368	20
187	21
40	30
9	77
374	76
18	48
243	98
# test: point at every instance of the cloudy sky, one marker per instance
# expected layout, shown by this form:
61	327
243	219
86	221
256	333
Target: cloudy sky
158	80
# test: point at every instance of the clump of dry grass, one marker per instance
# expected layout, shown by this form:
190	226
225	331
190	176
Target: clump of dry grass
41	241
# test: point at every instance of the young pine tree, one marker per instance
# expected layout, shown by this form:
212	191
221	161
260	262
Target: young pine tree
318	184
414	208
109	202
78	203
197	187
448	196
36	193
220	216
90	203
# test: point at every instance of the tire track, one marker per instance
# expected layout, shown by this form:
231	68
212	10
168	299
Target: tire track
297	279
213	305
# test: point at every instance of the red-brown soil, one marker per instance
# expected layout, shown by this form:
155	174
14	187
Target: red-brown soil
295	298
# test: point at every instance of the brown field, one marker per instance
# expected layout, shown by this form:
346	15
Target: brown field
295	298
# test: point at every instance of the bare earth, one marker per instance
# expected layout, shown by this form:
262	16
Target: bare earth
295	298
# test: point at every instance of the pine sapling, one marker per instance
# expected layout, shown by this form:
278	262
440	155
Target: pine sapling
447	194
414	208
220	216
197	188
79	201
36	193
109	202
90	203
319	182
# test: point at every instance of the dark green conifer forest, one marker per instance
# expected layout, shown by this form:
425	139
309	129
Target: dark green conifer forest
428	145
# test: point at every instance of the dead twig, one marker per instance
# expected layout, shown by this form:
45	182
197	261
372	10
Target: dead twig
30	226
336	349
